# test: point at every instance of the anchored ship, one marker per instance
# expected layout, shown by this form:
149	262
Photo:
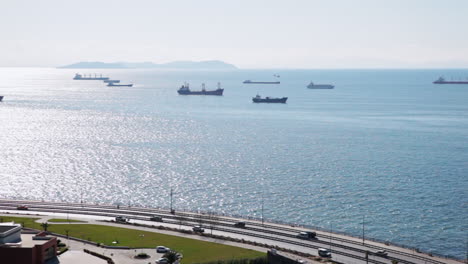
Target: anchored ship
442	80
259	99
185	90
252	82
312	85
84	77
119	85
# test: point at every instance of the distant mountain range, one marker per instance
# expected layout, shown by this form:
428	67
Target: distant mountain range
213	64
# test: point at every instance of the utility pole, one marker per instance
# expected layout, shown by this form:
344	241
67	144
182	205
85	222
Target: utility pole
331	230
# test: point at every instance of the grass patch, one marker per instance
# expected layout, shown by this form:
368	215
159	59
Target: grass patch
194	251
25	221
65	220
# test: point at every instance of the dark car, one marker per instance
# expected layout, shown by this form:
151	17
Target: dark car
156	218
381	253
240	224
21	207
121	219
198	229
306	235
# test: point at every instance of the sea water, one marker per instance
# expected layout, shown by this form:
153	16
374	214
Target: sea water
385	147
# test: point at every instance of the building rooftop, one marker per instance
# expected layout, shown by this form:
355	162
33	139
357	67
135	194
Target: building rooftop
4	228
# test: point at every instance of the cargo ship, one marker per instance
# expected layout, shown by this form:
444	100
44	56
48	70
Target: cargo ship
442	80
185	90
111	81
95	78
259	99
119	85
312	85
252	82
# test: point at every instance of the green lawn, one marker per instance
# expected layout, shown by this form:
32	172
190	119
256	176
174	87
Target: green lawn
65	220
194	251
25	221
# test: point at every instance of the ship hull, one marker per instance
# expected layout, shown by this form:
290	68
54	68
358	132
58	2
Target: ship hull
119	85
246	82
92	79
449	82
270	100
218	92
321	86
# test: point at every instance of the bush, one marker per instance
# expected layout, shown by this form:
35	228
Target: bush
142	255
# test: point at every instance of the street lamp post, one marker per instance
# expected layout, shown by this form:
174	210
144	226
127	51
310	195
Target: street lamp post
363	220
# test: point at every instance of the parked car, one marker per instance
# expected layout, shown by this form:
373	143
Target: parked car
121	219
162	249
162	261
306	235
323	252
240	224
198	229
21	207
156	218
381	253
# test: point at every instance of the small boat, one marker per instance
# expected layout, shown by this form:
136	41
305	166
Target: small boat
119	85
185	90
259	99
320	86
252	82
1	98
89	78
442	80
112	81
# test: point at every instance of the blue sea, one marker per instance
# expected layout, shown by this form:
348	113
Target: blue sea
386	146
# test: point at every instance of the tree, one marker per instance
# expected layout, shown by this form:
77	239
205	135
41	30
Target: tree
172	256
45	225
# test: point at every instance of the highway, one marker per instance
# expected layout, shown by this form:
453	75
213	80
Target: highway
344	249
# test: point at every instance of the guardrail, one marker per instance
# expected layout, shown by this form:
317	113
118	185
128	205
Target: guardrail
203	217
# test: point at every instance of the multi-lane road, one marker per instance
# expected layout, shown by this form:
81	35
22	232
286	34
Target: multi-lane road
344	249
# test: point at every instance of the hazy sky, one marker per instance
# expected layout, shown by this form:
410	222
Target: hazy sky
247	33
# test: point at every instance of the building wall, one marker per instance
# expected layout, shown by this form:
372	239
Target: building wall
17	255
39	254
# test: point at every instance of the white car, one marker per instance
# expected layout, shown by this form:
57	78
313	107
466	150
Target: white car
162	249
162	261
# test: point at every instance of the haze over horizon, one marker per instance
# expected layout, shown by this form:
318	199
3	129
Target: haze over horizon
248	34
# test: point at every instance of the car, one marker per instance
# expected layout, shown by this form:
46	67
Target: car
21	207
121	219
381	253
240	224
162	249
156	218
198	229
162	261
323	252
306	235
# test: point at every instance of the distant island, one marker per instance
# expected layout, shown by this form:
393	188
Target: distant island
212	65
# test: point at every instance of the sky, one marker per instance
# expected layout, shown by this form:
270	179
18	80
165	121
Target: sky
247	33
